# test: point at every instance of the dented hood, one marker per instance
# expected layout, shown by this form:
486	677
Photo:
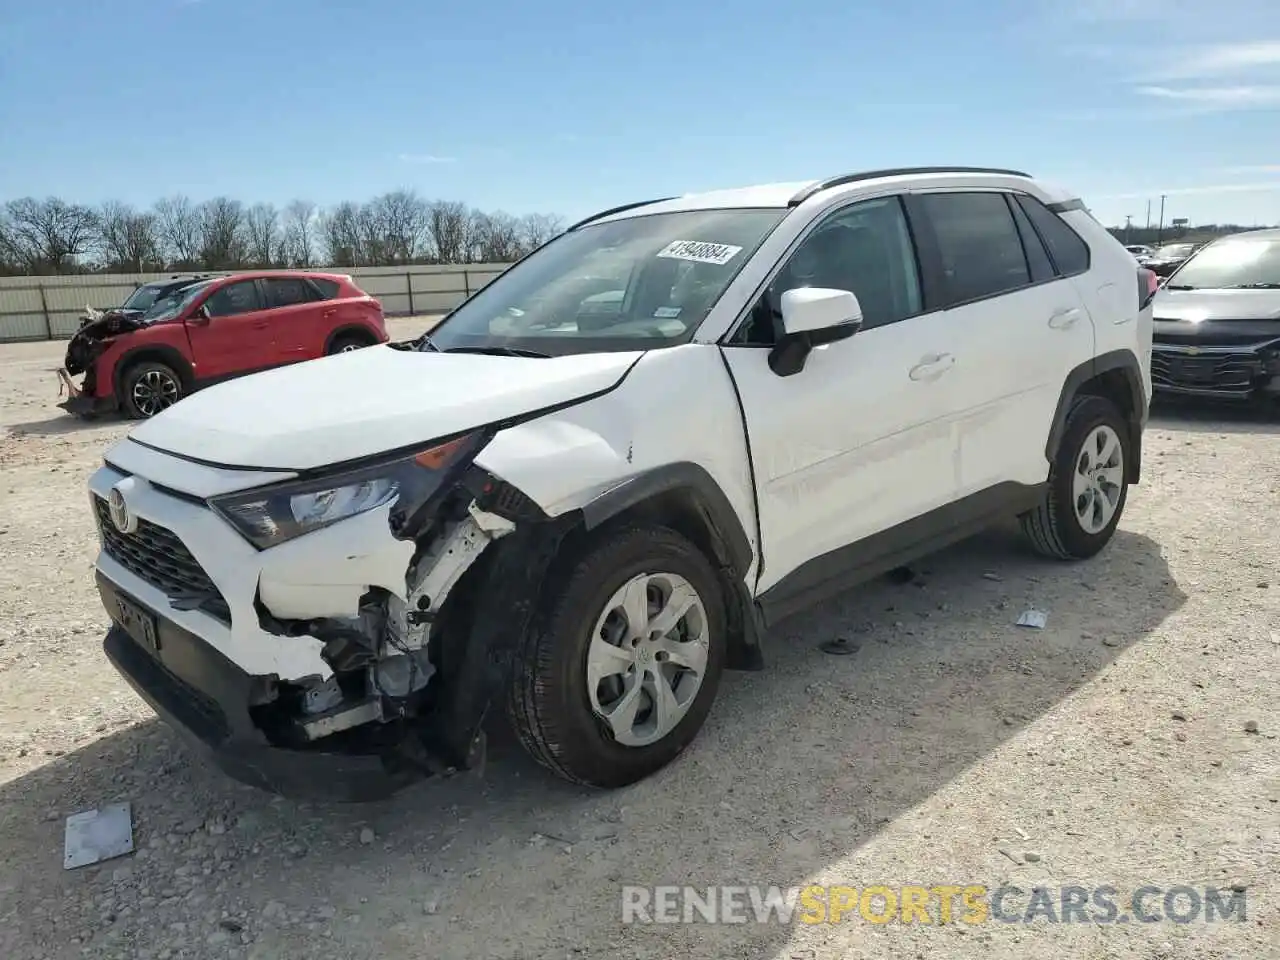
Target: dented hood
367	402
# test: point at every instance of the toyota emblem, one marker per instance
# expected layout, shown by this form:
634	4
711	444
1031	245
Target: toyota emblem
125	521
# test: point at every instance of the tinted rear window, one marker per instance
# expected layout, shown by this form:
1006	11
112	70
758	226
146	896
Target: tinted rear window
1069	253
979	244
328	288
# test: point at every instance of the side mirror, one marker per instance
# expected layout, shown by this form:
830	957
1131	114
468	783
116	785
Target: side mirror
201	316
812	317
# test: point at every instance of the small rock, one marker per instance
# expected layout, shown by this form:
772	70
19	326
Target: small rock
992	576
1263	584
431	907
1110	642
1251	726
1031	856
1179	716
230	925
367	836
1180	737
187	827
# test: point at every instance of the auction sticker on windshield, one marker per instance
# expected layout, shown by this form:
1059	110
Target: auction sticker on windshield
700	252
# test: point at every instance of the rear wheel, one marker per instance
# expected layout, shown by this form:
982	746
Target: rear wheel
1088	484
348	342
623	670
148	388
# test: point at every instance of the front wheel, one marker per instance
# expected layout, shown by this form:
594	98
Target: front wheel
1088	484
621	673
348	343
148	388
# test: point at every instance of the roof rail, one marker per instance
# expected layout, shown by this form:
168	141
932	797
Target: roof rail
840	181
611	211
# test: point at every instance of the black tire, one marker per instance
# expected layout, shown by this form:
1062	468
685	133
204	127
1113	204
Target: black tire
1053	528
347	342
149	387
549	704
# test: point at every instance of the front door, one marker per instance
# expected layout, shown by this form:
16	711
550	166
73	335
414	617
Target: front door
859	440
237	337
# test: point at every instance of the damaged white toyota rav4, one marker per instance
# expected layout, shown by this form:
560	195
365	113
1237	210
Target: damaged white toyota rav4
597	482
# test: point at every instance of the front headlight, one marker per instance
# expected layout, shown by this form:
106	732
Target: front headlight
273	515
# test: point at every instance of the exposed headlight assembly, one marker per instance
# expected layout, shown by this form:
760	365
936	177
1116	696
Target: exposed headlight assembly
273	515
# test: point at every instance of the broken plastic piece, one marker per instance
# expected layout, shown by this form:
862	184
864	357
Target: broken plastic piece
1036	619
97	835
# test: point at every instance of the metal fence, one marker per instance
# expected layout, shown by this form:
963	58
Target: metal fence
50	308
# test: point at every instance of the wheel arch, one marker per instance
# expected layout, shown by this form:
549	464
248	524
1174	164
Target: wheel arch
159	353
358	330
685	497
1114	376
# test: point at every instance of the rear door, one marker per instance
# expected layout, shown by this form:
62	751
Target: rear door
237	337
296	317
1016	327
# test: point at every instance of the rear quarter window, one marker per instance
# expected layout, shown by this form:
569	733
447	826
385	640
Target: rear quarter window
328	288
1070	254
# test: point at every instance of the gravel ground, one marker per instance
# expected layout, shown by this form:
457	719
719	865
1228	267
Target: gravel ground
1114	747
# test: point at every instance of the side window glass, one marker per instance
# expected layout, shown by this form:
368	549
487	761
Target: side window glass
978	244
328	288
286	291
1037	259
864	248
234	298
1070	253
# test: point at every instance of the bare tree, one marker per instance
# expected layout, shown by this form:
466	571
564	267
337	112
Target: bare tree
342	234
222	234
449	224
402	222
129	239
178	220
48	235
498	238
537	228
262	229
299	233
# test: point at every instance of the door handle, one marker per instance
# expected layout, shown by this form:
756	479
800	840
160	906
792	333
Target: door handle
1065	319
932	366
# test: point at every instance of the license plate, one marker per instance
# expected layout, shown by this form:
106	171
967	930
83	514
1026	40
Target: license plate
139	623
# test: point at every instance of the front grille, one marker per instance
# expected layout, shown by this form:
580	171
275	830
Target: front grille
1218	336
155	554
1227	372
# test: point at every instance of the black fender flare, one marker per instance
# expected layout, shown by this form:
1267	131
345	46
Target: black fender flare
729	544
1123	362
349	329
159	352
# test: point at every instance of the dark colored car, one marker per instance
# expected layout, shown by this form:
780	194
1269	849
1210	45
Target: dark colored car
213	329
1169	257
1217	321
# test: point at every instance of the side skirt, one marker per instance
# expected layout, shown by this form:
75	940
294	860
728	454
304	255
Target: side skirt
844	568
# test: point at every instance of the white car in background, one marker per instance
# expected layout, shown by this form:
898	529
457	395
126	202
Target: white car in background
604	477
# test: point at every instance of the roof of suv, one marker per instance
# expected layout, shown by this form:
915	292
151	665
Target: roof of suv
793	193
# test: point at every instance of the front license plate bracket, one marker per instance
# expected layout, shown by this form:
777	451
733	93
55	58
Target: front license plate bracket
139	622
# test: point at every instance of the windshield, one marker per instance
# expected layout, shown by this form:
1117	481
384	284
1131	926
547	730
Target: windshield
171	306
1173	251
1232	264
634	284
142	298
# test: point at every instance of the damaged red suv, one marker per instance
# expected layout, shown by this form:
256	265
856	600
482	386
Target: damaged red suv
210	330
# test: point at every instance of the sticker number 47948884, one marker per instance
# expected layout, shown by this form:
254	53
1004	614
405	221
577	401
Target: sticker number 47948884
700	251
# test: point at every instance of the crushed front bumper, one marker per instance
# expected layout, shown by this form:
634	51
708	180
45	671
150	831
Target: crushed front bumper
207	698
80	403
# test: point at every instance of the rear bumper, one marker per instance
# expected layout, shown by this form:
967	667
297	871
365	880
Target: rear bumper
207	698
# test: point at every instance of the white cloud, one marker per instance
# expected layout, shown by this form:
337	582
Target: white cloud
1254	168
1240	97
425	158
1223	59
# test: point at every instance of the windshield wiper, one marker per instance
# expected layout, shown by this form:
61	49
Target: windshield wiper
1178	286
501	351
1254	286
426	341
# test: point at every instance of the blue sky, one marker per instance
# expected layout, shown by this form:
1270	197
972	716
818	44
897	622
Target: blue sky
567	106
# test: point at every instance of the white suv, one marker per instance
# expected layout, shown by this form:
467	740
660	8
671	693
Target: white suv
600	480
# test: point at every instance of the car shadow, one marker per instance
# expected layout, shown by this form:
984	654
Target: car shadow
799	766
1185	415
64	424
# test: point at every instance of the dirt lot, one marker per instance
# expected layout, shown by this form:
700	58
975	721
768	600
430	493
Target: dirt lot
952	747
